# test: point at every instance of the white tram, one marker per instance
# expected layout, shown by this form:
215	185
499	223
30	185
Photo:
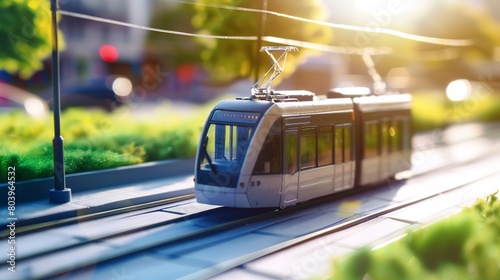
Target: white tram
285	147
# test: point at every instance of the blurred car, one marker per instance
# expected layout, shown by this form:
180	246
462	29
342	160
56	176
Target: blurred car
99	93
12	98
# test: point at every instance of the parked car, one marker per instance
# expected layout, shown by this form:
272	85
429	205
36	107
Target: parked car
97	93
12	98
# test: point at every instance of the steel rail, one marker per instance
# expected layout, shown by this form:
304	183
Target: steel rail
92	216
150	244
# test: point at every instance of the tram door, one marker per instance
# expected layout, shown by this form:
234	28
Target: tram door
290	187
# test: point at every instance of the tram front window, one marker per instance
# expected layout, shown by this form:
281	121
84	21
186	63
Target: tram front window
226	146
223	151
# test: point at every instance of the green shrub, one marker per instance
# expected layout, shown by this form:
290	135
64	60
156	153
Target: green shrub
464	246
39	162
96	140
443	244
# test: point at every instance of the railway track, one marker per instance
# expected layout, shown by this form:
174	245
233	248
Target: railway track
426	145
184	228
31	226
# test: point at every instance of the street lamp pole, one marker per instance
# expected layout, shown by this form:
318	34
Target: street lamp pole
59	194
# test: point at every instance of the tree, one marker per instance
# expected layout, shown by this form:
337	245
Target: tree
172	50
439	19
26	28
232	59
460	21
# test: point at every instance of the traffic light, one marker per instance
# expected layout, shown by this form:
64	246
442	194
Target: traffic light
108	53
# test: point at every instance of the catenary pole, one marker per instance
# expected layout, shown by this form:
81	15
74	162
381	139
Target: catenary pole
59	194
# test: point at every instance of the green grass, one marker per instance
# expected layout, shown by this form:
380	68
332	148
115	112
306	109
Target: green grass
464	246
95	140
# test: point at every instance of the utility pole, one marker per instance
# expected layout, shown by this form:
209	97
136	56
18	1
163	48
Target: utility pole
59	194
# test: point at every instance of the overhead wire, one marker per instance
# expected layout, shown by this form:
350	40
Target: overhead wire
397	33
132	25
284	41
269	39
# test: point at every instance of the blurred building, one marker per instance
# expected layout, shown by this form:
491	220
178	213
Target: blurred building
88	44
97	49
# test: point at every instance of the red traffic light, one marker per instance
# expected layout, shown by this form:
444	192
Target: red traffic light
108	53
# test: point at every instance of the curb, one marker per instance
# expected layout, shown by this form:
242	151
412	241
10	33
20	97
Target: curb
39	188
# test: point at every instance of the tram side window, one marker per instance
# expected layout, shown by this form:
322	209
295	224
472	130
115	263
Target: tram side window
405	131
347	143
291	158
325	146
307	148
385	145
396	132
371	141
269	159
339	144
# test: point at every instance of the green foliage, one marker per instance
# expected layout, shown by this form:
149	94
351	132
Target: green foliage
439	19
38	162
237	59
25	29
442	244
358	264
464	246
489	210
173	50
461	21
96	140
432	110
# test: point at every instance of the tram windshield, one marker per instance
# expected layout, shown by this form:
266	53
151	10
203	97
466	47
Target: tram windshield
224	147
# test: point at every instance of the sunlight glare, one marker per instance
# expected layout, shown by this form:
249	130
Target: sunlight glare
458	90
398	77
370	4
35	107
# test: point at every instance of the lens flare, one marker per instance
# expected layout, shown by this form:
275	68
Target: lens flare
35	107
122	86
458	90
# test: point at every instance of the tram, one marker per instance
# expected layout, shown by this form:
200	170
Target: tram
281	148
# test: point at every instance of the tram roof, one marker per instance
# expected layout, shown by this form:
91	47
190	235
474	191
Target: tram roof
384	102
315	107
365	103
